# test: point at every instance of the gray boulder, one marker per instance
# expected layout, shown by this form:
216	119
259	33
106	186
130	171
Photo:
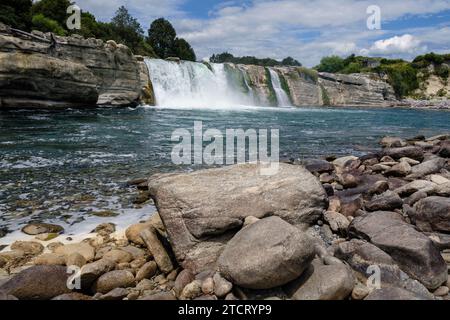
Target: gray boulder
433	214
203	209
412	152
426	168
414	252
395	293
266	254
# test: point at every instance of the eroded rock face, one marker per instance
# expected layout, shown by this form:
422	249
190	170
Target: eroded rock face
266	254
72	72
200	223
414	252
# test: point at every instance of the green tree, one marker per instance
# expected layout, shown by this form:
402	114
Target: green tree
53	9
184	50
289	61
16	13
161	36
126	29
44	24
331	64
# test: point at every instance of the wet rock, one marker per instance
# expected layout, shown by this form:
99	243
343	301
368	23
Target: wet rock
222	286
433	214
147	271
410	249
217	208
112	280
92	271
105	229
344	162
36	228
38	283
412	152
387	201
325	282
319	166
83	248
156	248
394	293
288	252
392	142
50	259
28	247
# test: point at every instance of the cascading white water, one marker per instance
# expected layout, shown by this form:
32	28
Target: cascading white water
282	97
192	84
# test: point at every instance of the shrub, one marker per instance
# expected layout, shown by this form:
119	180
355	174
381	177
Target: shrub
45	24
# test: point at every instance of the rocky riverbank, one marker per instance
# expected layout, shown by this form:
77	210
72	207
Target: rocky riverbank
375	227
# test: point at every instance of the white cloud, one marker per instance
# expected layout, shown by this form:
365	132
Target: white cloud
396	45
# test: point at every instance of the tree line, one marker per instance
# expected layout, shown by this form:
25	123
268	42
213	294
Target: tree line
50	16
227	57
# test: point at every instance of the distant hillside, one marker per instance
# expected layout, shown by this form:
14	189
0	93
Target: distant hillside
426	77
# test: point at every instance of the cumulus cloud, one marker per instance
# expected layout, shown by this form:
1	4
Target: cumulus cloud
396	45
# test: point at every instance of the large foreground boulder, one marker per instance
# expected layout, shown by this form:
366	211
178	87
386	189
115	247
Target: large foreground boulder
38	283
202	210
414	252
266	254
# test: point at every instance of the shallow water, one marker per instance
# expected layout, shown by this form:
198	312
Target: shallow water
66	166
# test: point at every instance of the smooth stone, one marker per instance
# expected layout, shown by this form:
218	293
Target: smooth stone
38	283
75	259
161	296
412	152
50	259
338	222
92	271
118	256
156	248
28	247
325	282
412	187
112	280
433	214
115	294
183	279
266	254
39	228
441	291
360	292
83	248
147	271
136	253
222	286
191	290
386	201
426	168
73	296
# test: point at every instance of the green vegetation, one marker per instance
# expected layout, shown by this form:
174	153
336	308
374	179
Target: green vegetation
272	97
310	74
51	16
285	87
163	39
405	77
249	60
325	97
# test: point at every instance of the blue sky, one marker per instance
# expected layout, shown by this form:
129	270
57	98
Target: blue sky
304	29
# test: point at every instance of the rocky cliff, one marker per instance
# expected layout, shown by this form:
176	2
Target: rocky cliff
43	70
306	87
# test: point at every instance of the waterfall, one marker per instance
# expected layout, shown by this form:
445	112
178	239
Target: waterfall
282	97
192	84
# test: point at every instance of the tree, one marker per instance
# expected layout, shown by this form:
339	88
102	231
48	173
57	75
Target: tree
52	9
289	61
16	13
45	24
331	64
126	29
184	50
161	36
